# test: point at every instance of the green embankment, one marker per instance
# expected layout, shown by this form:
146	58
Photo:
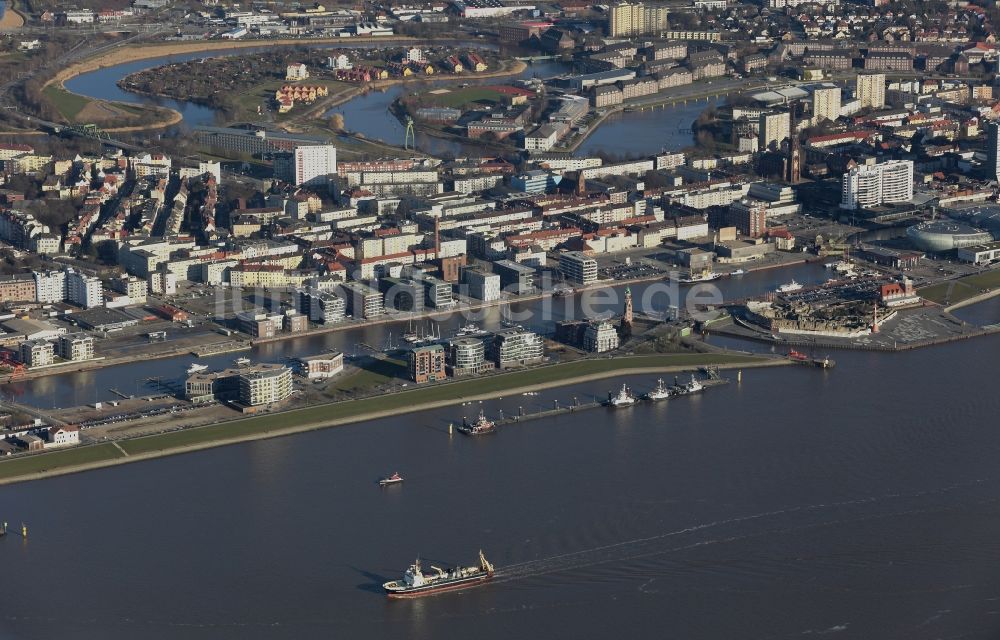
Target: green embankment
415	398
69	104
353	410
57	459
962	288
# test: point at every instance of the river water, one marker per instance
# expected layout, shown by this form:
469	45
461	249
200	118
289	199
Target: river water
860	502
629	134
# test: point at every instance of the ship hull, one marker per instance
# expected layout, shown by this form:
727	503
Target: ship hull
439	587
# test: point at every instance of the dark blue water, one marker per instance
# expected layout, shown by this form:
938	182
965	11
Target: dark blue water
860	502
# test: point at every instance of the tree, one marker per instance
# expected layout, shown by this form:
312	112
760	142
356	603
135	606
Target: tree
337	122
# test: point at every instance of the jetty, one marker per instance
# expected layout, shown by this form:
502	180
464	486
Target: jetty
595	403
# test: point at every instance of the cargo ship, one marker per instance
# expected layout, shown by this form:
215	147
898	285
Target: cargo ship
415	583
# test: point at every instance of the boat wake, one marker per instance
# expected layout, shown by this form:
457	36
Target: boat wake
650	546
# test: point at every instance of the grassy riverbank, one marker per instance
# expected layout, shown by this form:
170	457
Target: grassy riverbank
956	291
339	413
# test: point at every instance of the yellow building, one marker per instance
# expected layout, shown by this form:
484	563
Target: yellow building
633	19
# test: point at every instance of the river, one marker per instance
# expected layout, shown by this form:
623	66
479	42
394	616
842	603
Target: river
626	134
857	503
73	389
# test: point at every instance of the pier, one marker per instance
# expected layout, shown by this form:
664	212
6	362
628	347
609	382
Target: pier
595	403
220	348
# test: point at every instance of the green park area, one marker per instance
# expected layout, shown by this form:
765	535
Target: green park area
955	291
53	460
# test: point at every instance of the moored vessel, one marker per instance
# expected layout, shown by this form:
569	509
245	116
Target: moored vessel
481	426
415	583
660	392
623	398
707	276
693	386
789	287
196	368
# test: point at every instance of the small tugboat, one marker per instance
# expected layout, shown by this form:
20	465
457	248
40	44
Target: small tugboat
789	287
480	427
622	399
688	387
415	583
395	478
197	368
661	392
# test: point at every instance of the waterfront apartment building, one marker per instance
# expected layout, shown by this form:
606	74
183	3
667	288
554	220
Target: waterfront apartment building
264	384
402	294
870	90
635	19
37	353
76	347
600	336
253	142
324	307
362	301
437	292
515	347
482	285
467	356
883	183
578	267
321	366
515	277
427	363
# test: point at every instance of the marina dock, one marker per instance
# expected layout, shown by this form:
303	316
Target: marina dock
220	348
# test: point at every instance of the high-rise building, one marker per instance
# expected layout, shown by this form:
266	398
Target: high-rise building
314	164
515	347
83	290
749	217
993	150
50	286
633	19
869	186
264	384
870	90
826	103
774	128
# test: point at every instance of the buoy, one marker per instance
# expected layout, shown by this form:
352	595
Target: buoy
451	428
739	376
24	530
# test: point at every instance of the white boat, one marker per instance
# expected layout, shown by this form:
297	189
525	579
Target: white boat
470	329
738	272
789	287
660	392
689	387
242	362
622	399
707	276
196	368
